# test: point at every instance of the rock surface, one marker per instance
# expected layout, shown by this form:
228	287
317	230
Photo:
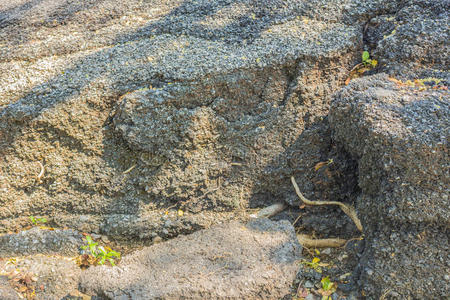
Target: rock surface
231	261
397	130
231	90
36	240
399	136
6	291
48	277
143	120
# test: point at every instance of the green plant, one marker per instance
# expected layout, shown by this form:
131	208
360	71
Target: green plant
327	289
314	264
100	253
326	284
367	61
37	221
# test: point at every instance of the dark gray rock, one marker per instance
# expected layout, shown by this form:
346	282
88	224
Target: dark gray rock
231	261
399	136
36	240
413	39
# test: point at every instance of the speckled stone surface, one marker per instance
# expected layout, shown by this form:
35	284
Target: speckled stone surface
36	240
229	261
399	135
136	109
240	88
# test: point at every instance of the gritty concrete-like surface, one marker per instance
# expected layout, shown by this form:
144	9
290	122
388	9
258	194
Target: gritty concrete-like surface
47	277
230	261
249	81
138	109
399	136
38	240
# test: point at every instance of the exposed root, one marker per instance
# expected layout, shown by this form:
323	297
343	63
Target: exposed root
308	242
270	211
348	210
325	243
129	169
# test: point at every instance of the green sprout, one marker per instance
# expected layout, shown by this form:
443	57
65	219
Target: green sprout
326	284
367	61
314	264
327	289
100	253
37	221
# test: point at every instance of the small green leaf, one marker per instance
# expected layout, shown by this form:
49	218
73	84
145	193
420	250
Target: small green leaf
93	248
365	56
111	261
326	283
102	250
114	253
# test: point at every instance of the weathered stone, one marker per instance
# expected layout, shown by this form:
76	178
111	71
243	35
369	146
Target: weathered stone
209	105
231	261
412	41
399	137
6	290
38	240
50	277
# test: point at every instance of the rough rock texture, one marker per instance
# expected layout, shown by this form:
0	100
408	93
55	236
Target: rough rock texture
136	109
397	131
37	240
232	261
6	290
133	107
51	277
399	136
413	41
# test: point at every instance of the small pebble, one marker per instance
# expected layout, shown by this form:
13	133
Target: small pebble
317	275
342	257
344	276
346	287
327	251
95	236
310	297
308	284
